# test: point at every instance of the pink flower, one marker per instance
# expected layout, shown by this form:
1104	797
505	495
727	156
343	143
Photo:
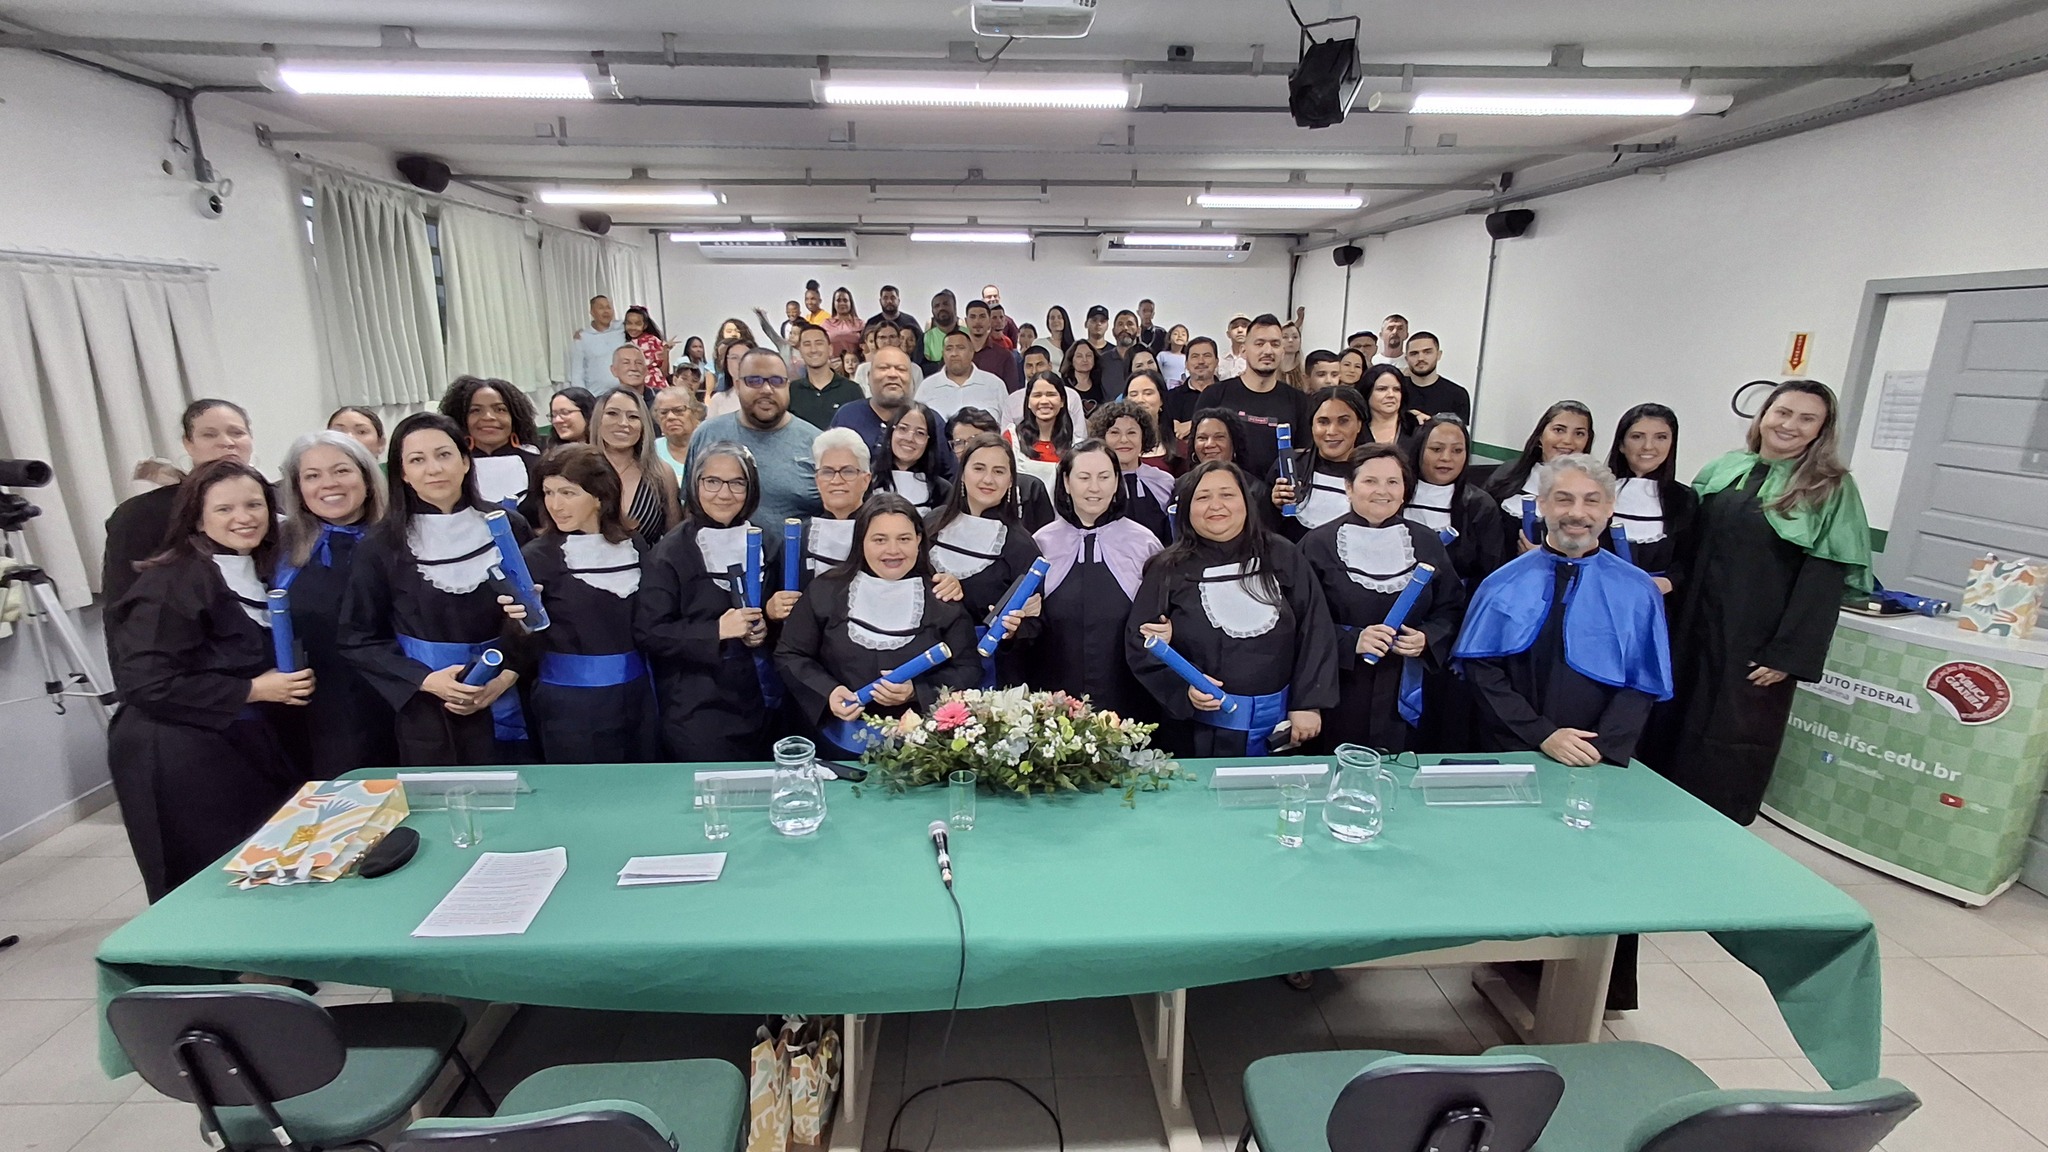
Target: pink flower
951	715
1076	708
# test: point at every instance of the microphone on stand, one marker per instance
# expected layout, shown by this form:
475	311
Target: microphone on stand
938	834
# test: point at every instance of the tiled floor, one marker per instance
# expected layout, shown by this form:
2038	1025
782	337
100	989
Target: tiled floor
1966	1015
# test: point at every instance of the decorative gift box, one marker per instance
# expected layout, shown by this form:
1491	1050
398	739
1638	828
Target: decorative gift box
318	835
2003	597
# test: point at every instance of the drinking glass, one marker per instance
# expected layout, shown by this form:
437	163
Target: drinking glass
960	790
1579	796
711	800
1355	808
1293	814
797	805
465	822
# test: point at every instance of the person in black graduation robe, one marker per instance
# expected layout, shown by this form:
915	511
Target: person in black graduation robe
980	548
346	725
212	430
868	616
1243	606
1654	513
1320	463
195	757
1366	559
1468	522
593	700
1097	557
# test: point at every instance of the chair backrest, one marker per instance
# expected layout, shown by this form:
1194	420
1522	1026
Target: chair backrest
249	1044
597	1126
1852	1120
1445	1104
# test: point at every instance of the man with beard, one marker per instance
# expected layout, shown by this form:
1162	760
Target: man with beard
1393	339
780	442
1181	401
891	393
899	320
1262	397
944	320
1112	369
985	352
993	297
819	391
1430	394
1151	337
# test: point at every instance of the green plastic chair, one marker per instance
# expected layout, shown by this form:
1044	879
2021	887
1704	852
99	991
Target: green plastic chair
1370	1101
657	1106
1623	1096
269	1068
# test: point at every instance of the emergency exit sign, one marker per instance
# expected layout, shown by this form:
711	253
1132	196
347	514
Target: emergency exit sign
1798	354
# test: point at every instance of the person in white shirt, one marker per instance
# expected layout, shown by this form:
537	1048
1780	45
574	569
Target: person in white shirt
590	350
1232	363
1393	340
961	384
888	335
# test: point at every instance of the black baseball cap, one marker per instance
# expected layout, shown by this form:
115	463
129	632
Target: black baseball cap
1098	312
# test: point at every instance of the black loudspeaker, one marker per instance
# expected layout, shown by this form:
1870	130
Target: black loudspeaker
1509	224
1315	87
424	172
598	222
1346	255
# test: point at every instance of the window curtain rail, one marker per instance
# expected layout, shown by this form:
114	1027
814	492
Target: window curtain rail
94	260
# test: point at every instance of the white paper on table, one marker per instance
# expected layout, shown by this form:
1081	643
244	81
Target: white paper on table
499	895
695	868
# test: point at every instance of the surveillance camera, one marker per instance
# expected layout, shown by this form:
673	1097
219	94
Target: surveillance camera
210	203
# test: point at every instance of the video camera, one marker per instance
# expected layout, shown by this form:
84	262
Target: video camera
16	511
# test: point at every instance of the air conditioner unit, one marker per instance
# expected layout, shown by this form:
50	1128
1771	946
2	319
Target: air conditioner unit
1113	250
816	248
1034	19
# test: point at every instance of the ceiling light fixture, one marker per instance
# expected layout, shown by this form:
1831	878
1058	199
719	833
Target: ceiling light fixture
1536	104
1180	240
1286	201
758	236
683	197
961	236
904	95
442	81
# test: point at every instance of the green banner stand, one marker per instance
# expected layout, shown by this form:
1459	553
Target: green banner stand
1921	753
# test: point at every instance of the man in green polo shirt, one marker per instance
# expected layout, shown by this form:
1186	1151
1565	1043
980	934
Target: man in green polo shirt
818	394
944	319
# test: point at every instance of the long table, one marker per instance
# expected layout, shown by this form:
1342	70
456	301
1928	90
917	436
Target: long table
1065	897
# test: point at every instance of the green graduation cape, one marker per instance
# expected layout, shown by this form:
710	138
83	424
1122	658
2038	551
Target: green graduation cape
1837	530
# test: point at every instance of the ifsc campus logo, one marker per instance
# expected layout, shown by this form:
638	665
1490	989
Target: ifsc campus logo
1847	690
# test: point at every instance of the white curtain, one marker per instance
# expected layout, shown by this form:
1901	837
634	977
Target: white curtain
97	361
375	272
629	273
490	268
571	272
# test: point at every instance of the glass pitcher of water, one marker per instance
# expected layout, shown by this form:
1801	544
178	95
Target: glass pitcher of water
796	806
1360	793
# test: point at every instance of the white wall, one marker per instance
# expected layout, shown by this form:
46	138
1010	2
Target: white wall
1680	287
1064	271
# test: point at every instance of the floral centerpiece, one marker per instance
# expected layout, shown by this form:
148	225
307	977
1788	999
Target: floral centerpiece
1019	741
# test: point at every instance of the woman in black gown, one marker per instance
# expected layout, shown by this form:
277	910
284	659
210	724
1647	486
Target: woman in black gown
1148	489
842	462
1653	509
980	547
719	692
1366	558
498	429
593	702
1322	467
213	430
196	762
333	492
420	607
1565	427
1098	557
870	615
1467	520
1241	604
914	463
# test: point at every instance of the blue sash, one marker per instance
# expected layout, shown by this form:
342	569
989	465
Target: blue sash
988	663
508	722
847	737
565	670
1254	716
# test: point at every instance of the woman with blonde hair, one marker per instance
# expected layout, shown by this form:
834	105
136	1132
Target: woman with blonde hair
648	492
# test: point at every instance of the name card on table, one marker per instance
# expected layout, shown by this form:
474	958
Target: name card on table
1485	782
497	790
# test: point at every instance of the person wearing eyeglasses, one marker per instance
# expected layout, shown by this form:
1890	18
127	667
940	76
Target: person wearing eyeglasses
780	442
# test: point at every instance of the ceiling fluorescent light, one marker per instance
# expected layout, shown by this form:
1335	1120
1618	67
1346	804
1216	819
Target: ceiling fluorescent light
358	80
1296	201
761	236
960	236
1532	104
685	197
902	95
1180	240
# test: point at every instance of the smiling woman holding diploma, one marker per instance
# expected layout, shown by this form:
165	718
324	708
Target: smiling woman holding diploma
1098	556
980	547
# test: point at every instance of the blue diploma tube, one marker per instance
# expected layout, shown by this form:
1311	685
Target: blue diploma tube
283	644
1186	671
753	573
1025	588
792	554
484	668
514	565
1532	525
920	664
1284	435
1398	614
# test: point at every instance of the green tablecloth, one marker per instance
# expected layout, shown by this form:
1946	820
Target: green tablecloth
1067	897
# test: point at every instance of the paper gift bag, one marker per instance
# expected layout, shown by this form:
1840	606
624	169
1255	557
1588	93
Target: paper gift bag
2003	597
768	1096
318	835
813	1078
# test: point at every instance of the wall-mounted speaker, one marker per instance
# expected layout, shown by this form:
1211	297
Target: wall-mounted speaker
424	172
1509	224
598	222
1346	255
